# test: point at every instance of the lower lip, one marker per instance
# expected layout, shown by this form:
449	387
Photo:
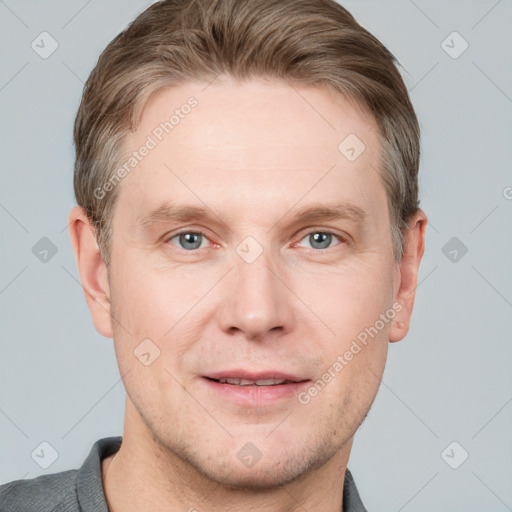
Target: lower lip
253	396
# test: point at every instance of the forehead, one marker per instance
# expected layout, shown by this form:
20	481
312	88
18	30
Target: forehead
240	116
250	142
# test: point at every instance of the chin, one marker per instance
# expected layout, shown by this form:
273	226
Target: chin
254	479
274	469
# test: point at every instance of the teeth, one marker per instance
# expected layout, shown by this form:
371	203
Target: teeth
269	382
244	382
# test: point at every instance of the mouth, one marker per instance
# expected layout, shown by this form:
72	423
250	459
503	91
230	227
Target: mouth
247	382
254	389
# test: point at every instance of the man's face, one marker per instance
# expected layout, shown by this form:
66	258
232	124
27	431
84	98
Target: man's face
252	287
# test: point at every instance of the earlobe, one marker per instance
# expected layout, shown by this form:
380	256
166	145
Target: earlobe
92	270
414	247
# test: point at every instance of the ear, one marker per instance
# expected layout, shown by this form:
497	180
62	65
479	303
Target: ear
407	275
92	270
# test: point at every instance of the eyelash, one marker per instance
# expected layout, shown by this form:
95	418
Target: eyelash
342	239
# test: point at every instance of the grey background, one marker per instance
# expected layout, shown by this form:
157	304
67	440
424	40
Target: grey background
449	380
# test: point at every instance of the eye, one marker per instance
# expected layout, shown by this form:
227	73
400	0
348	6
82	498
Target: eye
193	240
321	239
189	240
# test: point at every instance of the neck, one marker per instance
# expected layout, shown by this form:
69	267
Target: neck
145	476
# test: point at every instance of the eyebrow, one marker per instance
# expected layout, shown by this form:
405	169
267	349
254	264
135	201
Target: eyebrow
328	211
312	213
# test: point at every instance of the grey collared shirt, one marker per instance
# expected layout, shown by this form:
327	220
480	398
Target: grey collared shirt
81	490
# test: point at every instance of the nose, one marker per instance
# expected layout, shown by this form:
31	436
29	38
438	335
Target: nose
256	300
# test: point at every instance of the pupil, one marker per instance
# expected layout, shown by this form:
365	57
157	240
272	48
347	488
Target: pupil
188	242
323	239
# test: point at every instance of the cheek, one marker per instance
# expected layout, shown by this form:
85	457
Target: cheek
150	311
149	299
156	305
355	304
349	298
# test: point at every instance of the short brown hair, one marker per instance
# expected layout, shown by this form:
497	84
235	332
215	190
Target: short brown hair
308	42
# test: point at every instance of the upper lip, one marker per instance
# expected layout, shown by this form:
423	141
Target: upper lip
254	376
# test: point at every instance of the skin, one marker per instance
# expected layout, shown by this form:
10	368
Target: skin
253	153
